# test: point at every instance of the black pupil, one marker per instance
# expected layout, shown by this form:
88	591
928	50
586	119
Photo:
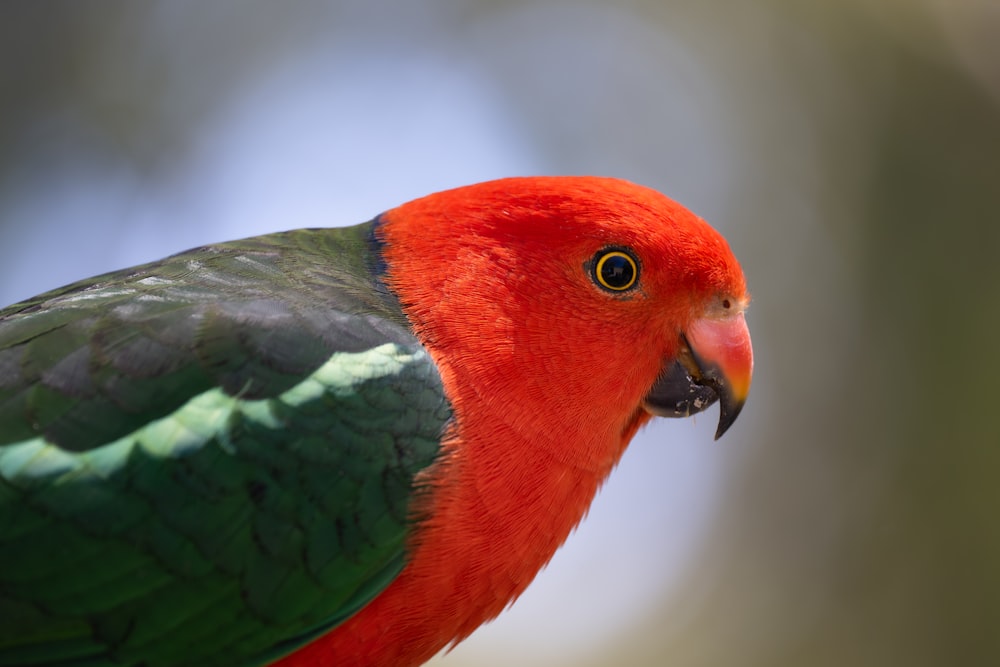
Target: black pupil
617	271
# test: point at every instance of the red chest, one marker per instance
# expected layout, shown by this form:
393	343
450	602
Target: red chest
489	528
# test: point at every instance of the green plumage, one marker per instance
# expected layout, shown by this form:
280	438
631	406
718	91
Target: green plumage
210	459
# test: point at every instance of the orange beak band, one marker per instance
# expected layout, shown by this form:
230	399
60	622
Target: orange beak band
715	363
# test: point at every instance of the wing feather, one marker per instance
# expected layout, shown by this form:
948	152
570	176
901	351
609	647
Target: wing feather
210	459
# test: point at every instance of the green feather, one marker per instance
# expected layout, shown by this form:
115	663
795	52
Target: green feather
208	460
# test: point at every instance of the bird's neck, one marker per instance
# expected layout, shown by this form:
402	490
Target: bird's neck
490	514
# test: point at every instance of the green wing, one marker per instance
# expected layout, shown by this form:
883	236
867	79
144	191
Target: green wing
208	460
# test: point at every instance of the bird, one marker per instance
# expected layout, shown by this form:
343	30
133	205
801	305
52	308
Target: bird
345	446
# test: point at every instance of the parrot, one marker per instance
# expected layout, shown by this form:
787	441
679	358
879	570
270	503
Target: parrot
345	446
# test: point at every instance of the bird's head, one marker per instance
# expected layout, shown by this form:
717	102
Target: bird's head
601	299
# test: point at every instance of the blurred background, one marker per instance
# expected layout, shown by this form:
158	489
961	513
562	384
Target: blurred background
848	149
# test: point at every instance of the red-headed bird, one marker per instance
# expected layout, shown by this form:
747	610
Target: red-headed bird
346	446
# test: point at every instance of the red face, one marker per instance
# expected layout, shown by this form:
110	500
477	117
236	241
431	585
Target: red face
594	298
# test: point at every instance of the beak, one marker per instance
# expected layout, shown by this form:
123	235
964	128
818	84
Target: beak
715	363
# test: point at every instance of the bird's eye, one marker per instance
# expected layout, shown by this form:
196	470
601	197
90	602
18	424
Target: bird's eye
615	270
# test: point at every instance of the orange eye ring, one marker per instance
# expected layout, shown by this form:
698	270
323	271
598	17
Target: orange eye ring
616	270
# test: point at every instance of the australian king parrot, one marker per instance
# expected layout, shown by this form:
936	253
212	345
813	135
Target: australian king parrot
345	446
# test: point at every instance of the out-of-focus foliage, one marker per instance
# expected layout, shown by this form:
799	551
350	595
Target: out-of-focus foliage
849	150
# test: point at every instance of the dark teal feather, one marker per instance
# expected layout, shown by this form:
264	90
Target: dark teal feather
209	459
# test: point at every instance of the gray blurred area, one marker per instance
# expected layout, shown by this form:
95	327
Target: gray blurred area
848	149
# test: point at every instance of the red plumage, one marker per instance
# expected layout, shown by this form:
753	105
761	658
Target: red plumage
547	374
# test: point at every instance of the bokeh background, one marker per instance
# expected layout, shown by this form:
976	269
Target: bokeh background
849	150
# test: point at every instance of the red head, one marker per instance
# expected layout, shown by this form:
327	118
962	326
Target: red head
504	280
